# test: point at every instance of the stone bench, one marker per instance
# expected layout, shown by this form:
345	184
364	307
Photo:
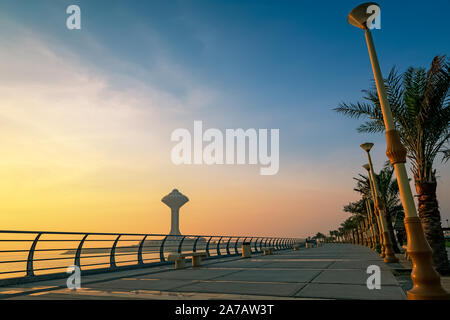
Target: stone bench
179	258
268	251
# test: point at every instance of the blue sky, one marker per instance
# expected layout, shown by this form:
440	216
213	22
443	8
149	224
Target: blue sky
286	61
260	64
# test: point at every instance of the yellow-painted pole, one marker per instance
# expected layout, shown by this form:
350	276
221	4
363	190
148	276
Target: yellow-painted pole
389	254
426	281
380	222
371	224
375	226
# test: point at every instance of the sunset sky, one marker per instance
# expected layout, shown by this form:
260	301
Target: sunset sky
86	115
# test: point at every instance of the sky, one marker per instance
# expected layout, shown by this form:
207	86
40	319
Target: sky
86	115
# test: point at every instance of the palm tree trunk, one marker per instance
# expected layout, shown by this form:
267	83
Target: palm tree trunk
431	222
391	232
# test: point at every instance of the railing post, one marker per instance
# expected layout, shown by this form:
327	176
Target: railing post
78	252
228	246
181	244
30	268
207	246
244	241
161	249
194	246
265	243
112	257
254	246
251	245
235	246
218	247
141	246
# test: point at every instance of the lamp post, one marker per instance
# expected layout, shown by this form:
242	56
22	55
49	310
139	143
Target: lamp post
389	255
370	225
426	281
378	213
363	229
373	224
369	235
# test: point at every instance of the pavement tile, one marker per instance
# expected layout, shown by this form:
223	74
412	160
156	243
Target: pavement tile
353	277
347	291
272	275
243	287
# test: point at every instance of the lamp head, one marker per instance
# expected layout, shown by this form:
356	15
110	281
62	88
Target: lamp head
367	167
358	16
367	146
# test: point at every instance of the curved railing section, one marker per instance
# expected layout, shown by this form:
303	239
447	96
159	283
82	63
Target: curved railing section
35	255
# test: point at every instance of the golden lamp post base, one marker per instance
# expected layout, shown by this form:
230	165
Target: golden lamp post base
427	282
381	248
389	254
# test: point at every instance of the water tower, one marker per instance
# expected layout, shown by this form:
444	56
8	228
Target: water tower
175	200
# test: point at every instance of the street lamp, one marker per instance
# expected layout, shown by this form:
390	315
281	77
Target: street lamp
377	214
371	224
426	281
389	255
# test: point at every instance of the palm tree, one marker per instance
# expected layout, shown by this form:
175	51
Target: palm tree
320	235
333	235
421	109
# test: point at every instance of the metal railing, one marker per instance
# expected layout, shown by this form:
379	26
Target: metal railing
40	255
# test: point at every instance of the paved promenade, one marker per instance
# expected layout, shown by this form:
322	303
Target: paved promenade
333	271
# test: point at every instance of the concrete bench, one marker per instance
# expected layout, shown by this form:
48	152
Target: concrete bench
268	251
179	258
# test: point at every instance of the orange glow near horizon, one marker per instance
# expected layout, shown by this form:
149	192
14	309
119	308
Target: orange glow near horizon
80	154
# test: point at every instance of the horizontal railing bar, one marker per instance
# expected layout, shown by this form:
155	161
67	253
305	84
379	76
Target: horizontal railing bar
94	264
108	255
129	234
67	249
119	262
18	271
52	268
83	265
61	240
